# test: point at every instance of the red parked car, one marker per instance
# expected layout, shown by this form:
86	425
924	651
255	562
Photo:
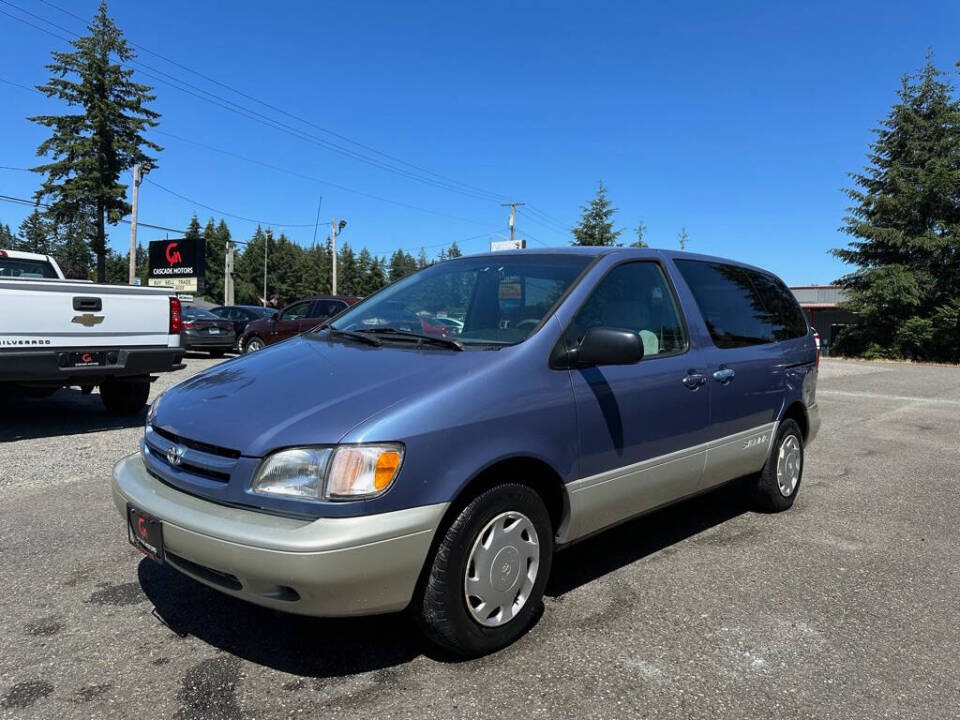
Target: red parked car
295	318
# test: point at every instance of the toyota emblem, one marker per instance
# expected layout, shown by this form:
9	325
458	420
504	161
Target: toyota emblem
175	454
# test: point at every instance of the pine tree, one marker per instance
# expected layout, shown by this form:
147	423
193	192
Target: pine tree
401	264
422	261
596	225
454	251
193	229
7	241
215	252
90	149
905	225
36	235
641	232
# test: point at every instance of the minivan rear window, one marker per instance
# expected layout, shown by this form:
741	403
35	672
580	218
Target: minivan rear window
742	307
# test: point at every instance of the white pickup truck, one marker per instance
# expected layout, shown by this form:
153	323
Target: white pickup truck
57	333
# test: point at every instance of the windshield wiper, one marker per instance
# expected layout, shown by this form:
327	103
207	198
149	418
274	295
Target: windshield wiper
418	337
352	335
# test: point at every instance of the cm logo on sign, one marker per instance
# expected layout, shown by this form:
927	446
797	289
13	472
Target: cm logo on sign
173	255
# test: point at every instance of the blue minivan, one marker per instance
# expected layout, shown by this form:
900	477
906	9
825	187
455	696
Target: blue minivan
371	465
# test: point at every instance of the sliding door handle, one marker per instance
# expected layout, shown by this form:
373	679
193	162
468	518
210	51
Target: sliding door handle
724	375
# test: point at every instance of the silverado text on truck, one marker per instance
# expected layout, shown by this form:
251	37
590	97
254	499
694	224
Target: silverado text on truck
57	333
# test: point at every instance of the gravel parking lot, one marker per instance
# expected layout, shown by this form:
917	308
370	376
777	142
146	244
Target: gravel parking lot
844	607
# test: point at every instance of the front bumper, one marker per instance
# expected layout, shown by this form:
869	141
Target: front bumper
328	566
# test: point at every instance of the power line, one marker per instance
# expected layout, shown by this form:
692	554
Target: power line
24	201
18	85
256	116
224	212
285	112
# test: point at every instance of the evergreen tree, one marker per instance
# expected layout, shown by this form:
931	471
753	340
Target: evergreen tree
348	271
193	229
596	224
89	150
454	251
683	238
7	241
641	232
905	225
401	264
215	237
422	261
37	235
74	255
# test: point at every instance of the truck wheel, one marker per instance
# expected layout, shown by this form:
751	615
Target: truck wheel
253	345
485	581
779	481
124	398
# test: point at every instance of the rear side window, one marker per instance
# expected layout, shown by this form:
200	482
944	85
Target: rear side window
326	308
787	317
27	269
634	296
742	307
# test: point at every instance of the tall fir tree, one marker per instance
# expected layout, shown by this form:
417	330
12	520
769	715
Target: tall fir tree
89	149
7	241
596	223
905	225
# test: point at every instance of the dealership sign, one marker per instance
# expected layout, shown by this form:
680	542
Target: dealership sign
178	264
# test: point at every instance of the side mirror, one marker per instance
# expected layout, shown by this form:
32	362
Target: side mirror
608	346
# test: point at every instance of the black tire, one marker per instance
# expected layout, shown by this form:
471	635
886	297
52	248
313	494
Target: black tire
767	492
254	344
440	606
218	353
124	398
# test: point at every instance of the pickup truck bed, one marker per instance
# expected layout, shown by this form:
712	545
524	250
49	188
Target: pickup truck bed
56	333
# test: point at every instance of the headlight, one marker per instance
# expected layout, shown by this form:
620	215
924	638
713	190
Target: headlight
152	412
349	472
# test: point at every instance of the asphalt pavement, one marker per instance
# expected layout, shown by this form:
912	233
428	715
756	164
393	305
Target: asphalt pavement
844	607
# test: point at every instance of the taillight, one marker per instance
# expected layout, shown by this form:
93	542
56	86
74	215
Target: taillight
176	320
816	339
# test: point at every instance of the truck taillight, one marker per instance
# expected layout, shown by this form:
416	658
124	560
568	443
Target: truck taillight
176	321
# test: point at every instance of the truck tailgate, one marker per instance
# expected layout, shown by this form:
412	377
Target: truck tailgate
61	313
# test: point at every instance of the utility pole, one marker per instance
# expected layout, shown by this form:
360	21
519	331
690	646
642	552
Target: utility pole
335	228
137	179
265	243
228	275
513	215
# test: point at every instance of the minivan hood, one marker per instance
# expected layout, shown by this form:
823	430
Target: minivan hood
307	390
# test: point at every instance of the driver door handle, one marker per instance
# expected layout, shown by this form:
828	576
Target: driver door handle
724	375
693	380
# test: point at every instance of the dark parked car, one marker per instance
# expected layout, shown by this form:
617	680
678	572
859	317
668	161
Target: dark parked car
242	315
202	330
294	319
366	468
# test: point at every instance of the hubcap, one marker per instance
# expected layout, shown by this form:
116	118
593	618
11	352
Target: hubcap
789	460
254	345
502	569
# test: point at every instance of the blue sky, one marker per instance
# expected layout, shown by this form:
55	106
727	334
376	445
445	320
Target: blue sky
736	120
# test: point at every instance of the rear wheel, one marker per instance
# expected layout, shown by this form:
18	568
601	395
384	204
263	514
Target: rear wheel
124	398
779	481
253	344
485	581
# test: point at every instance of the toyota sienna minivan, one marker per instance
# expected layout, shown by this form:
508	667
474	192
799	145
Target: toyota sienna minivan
366	466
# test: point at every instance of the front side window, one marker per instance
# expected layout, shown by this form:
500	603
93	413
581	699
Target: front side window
297	311
634	296
740	307
495	300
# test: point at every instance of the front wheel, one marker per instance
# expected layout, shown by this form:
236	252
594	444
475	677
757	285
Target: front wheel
485	581
253	344
124	398
779	481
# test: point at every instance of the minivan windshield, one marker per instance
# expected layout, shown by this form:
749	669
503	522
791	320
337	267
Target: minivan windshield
484	300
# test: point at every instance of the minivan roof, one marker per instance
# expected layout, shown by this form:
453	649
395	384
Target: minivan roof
597	251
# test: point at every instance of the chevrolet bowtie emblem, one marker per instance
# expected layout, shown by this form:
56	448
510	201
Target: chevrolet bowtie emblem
88	319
